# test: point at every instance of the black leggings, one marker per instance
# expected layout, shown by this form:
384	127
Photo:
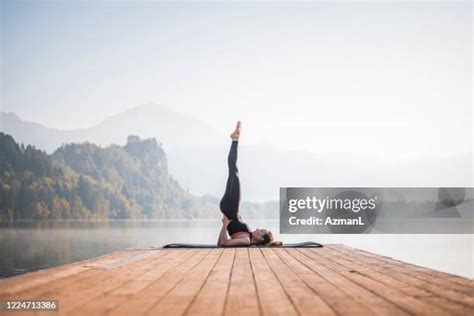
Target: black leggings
230	202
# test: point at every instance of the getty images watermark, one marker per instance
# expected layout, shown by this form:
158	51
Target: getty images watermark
376	210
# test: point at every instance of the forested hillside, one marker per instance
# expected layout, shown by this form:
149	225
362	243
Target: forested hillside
86	181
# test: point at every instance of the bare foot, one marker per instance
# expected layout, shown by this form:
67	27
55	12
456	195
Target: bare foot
236	133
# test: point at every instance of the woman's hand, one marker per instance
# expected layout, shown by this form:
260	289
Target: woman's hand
225	220
223	238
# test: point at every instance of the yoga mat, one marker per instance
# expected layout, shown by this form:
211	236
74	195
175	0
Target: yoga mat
305	244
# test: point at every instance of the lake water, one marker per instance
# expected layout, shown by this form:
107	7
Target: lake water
29	246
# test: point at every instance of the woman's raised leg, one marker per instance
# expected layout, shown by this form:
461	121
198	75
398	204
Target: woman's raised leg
230	202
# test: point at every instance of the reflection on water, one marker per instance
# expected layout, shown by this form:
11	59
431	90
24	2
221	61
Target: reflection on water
29	246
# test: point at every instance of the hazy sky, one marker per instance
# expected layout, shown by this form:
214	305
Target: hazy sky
392	78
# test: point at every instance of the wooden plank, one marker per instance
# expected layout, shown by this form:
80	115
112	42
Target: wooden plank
421	271
13	285
344	295
176	302
142	301
333	280
391	294
443	279
334	297
106	301
272	296
49	284
304	300
211	298
75	294
451	301
242	295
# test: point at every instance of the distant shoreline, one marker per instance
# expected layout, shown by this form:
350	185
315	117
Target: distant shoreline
130	220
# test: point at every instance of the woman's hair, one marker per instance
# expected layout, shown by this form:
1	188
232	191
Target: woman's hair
267	239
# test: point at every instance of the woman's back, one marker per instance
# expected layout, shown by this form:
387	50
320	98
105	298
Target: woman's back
236	226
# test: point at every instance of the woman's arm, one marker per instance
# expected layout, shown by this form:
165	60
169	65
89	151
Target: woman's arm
224	240
222	235
242	241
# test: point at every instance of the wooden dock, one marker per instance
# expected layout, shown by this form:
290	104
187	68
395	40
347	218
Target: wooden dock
334	280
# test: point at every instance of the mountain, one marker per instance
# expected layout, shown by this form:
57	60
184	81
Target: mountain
197	153
171	128
86	181
35	134
197	157
148	120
